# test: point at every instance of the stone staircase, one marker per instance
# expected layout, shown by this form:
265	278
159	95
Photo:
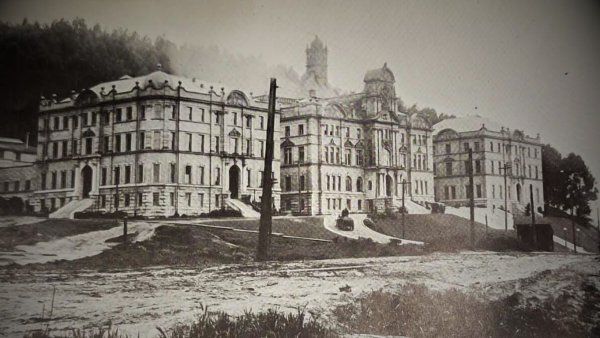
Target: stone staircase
69	209
245	209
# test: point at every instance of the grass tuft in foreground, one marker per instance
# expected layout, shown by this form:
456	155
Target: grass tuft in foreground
270	323
420	312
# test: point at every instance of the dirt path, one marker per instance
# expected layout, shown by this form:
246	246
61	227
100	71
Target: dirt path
138	301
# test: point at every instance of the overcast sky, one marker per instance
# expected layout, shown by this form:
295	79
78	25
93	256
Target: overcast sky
534	65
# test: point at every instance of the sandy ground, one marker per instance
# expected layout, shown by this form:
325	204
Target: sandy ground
75	247
139	300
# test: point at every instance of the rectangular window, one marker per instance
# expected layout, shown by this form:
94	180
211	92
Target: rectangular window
88	145
448	148
287	156
117	178
172	199
300	129
188	198
188	174
302	183
190	113
65	148
155	199
103	176
63	179
201	143
217	118
477	166
301	154
142	140
201	174
235	119
217	144
56	123
53	183
173	171
448	168
288	183
156	140
478	190
75	122
127	142
140	173
262	122
118	143
127	174
129	113
106	144
201	199
119	115
156	172
287	131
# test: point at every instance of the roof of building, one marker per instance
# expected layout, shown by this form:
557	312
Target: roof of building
466	124
380	74
16	145
127	83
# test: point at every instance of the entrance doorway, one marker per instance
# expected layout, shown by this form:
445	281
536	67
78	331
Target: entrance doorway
234	181
388	185
86	174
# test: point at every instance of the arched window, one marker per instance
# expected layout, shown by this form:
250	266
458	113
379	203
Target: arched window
348	183
359	184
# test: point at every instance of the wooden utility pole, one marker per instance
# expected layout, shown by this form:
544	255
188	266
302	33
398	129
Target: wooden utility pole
532	210
266	210
573	229
404	183
506	167
471	199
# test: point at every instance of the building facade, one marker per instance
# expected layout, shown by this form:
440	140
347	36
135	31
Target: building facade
18	172
154	145
494	148
354	152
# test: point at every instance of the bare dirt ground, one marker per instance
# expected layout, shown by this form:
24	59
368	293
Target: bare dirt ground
139	300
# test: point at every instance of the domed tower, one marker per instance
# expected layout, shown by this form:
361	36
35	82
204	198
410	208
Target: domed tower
316	61
380	89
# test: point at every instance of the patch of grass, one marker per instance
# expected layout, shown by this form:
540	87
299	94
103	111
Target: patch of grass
311	227
420	312
269	323
28	234
444	232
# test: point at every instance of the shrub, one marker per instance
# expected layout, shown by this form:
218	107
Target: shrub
99	214
222	213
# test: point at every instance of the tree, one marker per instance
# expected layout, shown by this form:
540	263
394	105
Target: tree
551	160
429	114
576	185
62	56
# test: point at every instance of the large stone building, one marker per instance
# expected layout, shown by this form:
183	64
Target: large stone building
154	145
18	172
353	151
494	146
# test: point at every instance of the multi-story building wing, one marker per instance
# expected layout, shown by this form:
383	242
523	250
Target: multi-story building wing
154	145
494	148
353	152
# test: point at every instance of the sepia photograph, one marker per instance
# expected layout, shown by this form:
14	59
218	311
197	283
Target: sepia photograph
317	168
